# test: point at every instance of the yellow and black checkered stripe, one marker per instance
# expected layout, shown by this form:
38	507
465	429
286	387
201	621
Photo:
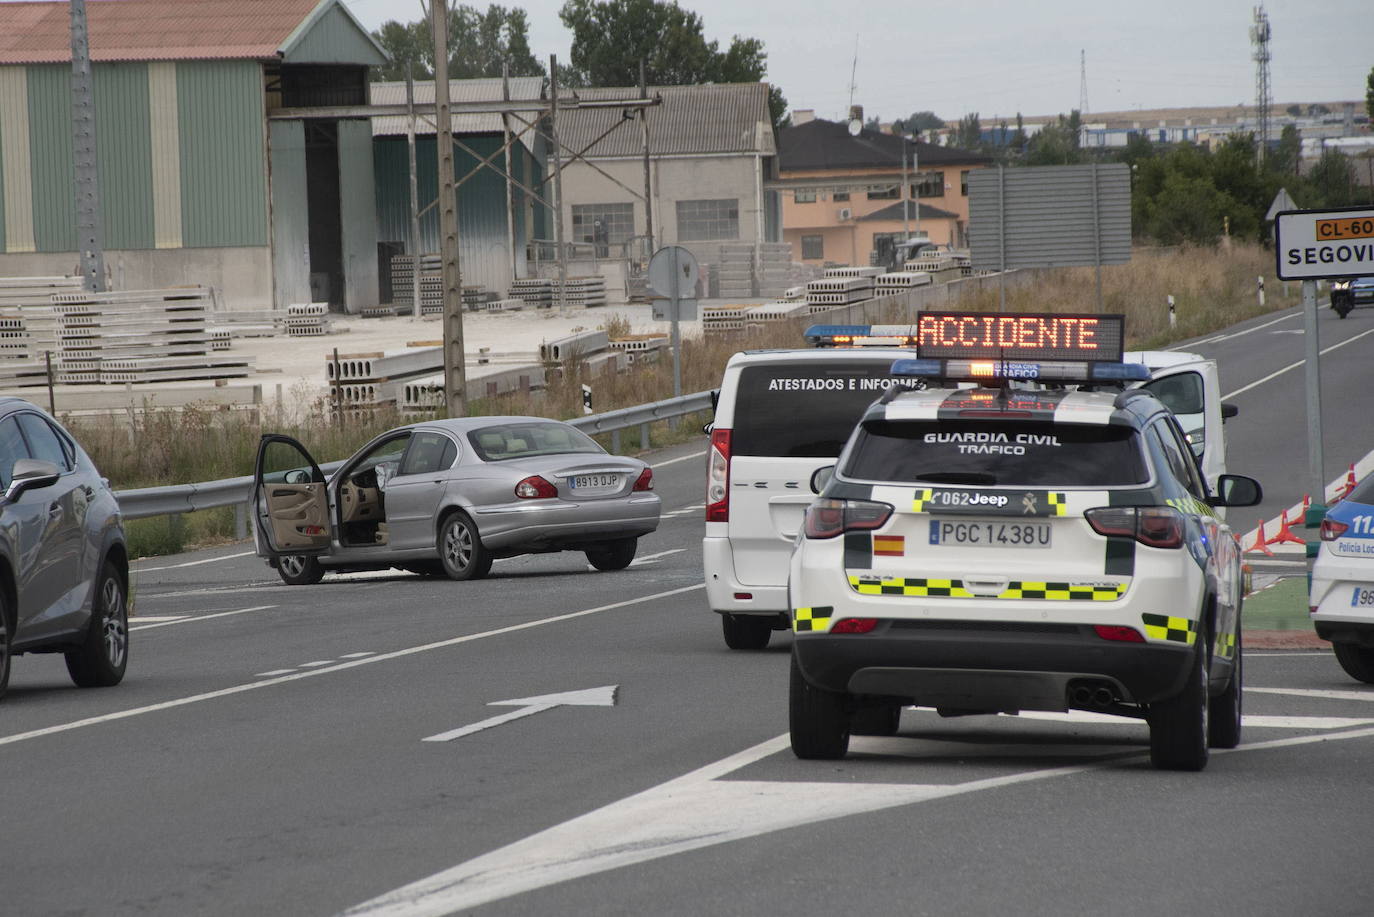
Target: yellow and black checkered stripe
1226	645
1058	502
806	620
918	503
954	589
1166	627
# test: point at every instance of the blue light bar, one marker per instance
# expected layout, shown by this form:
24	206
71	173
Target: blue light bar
861	335
1120	372
917	368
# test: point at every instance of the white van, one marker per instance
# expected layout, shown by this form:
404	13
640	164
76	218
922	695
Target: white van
782	414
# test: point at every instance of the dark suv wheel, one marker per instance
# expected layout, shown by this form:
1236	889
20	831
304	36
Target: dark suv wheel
103	655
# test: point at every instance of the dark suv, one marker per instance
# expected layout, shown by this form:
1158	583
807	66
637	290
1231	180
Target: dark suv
64	569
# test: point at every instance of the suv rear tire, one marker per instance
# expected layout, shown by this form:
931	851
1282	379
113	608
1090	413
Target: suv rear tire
6	642
817	719
746	632
100	660
1358	661
1179	726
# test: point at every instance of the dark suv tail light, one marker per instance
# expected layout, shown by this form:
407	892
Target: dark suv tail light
826	518
1155	526
718	477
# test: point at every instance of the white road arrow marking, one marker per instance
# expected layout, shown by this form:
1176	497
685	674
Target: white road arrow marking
529	706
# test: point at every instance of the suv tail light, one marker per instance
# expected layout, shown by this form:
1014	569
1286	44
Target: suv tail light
645	481
1154	526
718	477
535	488
826	518
1331	529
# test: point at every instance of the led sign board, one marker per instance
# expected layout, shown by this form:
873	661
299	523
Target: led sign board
1020	336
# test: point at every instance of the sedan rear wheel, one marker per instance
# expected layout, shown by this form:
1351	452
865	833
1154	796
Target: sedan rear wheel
100	660
461	550
613	555
299	570
1358	661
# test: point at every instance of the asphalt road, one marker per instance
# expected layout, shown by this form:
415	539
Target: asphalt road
266	754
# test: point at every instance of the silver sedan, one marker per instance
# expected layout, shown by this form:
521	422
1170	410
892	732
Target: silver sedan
447	497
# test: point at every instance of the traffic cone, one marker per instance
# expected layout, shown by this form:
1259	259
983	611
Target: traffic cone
1348	486
1285	534
1260	546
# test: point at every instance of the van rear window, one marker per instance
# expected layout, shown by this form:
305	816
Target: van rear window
804	409
988	453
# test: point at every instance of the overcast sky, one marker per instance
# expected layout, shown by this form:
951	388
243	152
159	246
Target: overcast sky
998	58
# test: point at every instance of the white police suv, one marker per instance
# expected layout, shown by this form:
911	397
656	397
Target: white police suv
997	549
1342	596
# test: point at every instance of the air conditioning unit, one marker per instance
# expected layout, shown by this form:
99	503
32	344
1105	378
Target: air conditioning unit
846	213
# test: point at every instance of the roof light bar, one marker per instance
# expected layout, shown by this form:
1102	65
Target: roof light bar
861	335
1043	371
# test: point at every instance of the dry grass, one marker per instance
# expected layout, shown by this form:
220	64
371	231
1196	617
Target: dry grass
1212	288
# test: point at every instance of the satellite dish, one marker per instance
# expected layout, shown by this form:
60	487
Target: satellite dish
855	127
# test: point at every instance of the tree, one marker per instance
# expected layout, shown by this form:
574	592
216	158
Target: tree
478	44
611	37
1295	110
1369	94
920	121
969	134
1331	183
1284	158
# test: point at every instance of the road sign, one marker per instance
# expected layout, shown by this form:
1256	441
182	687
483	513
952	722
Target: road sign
673	275
1281	203
1313	244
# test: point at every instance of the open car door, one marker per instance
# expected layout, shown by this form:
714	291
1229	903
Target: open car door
290	504
1190	386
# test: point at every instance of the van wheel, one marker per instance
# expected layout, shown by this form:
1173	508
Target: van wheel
817	719
746	632
1223	721
100	660
1178	726
1358	661
299	570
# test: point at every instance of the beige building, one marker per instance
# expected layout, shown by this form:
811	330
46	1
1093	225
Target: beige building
842	194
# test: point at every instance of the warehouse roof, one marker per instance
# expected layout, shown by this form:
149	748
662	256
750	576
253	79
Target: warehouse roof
821	144
160	30
522	89
714	118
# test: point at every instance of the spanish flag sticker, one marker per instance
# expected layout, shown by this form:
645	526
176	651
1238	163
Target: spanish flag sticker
889	545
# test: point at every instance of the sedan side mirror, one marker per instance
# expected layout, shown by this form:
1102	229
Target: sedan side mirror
821	477
1237	490
30	474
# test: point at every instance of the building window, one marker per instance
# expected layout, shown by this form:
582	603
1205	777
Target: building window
804	197
963	182
702	221
603	225
890	194
840	196
813	248
928	184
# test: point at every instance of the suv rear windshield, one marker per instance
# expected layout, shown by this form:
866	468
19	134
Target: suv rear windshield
983	452
805	409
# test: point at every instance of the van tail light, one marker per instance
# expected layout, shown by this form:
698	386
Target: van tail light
1331	529
827	518
718	477
535	488
1154	526
645	481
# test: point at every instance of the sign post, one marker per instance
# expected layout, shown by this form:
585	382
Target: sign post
1312	245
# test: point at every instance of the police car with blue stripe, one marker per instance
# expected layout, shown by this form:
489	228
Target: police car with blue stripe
1043	540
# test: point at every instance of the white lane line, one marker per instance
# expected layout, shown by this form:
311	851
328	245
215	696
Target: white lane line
191	619
1313	692
650	558
1291	366
316	664
1226	337
343	666
1265	654
274	672
680	458
193	563
1075	717
699	810
358	655
154	619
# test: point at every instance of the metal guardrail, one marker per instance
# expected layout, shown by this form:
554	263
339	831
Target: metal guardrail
175	499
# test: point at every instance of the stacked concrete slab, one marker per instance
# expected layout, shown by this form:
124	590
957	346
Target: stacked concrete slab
307	319
735	271
900	280
841	289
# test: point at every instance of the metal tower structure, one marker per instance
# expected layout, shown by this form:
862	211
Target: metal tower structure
1082	82
1259	37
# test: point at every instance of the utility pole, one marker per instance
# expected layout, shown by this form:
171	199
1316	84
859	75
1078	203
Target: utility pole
561	299
648	185
906	191
89	238
455	371
415	246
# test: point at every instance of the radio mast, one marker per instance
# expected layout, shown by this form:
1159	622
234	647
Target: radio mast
1259	37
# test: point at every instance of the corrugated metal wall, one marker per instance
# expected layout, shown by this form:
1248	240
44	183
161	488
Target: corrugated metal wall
484	254
124	154
52	171
223	173
1047	216
290	227
357	215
